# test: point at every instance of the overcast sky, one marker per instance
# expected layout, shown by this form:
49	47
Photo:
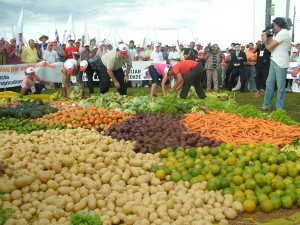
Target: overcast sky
215	21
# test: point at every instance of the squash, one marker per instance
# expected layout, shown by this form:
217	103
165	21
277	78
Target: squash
36	114
38	101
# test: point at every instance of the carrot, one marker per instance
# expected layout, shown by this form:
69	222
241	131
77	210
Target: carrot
239	130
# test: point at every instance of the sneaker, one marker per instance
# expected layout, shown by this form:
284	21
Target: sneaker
146	86
235	89
265	108
288	90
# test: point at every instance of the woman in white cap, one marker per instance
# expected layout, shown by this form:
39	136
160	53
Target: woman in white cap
71	68
30	84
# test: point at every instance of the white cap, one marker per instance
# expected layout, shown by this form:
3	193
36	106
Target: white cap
122	48
83	65
30	70
166	69
69	66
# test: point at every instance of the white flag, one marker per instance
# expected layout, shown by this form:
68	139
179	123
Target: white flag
70	33
86	39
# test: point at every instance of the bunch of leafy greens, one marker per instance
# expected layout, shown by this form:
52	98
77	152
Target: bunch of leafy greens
85	218
5	214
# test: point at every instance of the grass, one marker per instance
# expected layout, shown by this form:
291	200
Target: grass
292	105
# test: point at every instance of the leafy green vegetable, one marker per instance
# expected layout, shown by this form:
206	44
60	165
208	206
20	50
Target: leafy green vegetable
5	214
85	218
281	115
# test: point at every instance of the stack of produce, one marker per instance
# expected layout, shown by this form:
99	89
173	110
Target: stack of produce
26	110
254	175
52	174
155	132
92	117
231	128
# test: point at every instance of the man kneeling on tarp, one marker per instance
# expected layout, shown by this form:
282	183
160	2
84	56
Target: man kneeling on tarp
30	84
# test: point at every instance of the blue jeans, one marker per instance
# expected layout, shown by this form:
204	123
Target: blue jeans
250	78
278	75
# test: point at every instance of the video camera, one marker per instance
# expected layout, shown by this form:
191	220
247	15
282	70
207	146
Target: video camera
269	30
210	47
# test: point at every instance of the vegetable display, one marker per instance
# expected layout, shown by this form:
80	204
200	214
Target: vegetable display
155	132
230	128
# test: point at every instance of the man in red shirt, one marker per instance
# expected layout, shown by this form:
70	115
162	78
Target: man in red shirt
69	50
186	74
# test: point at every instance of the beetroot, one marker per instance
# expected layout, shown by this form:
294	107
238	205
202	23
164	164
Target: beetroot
155	132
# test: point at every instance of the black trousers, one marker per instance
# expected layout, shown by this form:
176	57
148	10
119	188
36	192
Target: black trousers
261	78
105	80
90	74
237	72
38	88
193	78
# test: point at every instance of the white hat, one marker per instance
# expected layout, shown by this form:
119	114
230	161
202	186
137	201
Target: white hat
122	48
69	67
166	69
30	70
83	65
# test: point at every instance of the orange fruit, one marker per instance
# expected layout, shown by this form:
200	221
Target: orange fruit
286	202
249	206
266	205
161	174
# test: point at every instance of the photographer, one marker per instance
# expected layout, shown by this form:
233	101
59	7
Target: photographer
279	46
190	53
261	67
213	60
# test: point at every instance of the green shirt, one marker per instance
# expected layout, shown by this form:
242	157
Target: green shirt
112	61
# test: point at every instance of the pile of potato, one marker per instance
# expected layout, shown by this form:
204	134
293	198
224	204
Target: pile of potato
51	174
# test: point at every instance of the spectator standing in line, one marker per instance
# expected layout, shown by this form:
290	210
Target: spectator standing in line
156	55
102	49
61	53
261	67
181	51
141	56
200	54
110	47
132	53
3	54
250	68
30	53
71	49
50	55
165	52
279	46
191	53
13	52
86	54
238	58
148	52
42	46
213	63
111	68
174	58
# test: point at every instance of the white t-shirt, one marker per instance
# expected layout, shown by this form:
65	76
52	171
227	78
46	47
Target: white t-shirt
50	57
156	56
172	56
280	54
132	53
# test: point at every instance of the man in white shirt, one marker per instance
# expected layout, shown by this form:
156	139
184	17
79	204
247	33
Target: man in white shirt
279	46
50	55
157	55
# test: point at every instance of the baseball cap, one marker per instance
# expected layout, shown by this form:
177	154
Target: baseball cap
30	70
122	48
83	65
69	67
166	69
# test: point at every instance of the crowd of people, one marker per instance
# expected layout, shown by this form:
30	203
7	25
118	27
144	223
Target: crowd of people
255	67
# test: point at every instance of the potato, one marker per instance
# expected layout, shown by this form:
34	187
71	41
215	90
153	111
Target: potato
45	215
91	201
230	213
16	194
106	176
65	190
23	181
52	184
80	205
7	186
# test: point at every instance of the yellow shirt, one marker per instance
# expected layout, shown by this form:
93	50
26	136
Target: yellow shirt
29	55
